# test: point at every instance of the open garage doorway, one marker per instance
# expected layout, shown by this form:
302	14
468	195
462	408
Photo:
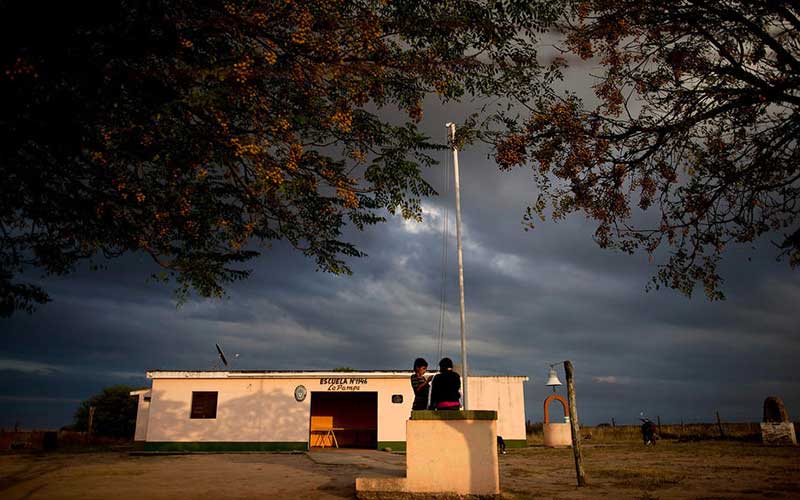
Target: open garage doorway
344	419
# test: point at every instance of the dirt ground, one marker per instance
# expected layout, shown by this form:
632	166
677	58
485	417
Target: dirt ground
705	470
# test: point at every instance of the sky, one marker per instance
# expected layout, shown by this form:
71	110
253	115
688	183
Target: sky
532	299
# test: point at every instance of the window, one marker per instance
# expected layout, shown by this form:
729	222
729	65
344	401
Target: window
204	405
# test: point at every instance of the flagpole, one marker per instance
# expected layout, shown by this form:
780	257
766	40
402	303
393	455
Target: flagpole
465	372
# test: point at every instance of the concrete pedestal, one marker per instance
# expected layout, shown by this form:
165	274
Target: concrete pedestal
449	454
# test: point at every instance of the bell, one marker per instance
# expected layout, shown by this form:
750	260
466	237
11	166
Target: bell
552	379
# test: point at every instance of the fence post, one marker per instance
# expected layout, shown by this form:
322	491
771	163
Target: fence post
574	427
719	424
89	424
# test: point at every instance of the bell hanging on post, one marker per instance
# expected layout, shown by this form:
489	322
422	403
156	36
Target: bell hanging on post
552	378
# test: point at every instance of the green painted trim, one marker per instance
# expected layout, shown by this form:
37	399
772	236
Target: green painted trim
226	446
454	415
516	443
394	445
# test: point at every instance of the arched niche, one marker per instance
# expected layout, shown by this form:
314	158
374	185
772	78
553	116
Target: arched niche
550	399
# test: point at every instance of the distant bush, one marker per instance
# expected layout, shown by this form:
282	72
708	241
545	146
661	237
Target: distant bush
114	415
533	427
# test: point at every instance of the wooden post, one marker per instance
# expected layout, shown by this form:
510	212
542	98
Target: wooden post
613	423
574	426
719	424
89	424
658	419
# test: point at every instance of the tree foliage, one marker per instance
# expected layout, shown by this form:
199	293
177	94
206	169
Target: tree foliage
697	119
114	414
197	132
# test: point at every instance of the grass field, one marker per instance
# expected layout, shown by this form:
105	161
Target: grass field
688	432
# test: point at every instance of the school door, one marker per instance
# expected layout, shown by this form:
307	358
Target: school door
346	419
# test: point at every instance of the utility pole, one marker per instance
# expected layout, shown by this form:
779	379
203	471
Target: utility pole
574	426
465	375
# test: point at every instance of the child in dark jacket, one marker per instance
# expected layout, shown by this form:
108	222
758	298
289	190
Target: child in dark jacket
445	393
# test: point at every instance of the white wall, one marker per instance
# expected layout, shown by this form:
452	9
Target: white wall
265	410
248	410
142	415
504	395
391	416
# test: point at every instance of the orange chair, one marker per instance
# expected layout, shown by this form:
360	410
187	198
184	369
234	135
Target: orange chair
322	427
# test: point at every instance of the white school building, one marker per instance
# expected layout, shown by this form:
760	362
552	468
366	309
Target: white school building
299	410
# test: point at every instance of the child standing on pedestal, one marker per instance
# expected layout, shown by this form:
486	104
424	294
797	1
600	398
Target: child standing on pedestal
421	384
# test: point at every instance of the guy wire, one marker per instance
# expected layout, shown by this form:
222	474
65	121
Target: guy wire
444	253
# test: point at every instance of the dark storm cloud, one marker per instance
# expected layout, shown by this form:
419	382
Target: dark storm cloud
530	302
533	298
